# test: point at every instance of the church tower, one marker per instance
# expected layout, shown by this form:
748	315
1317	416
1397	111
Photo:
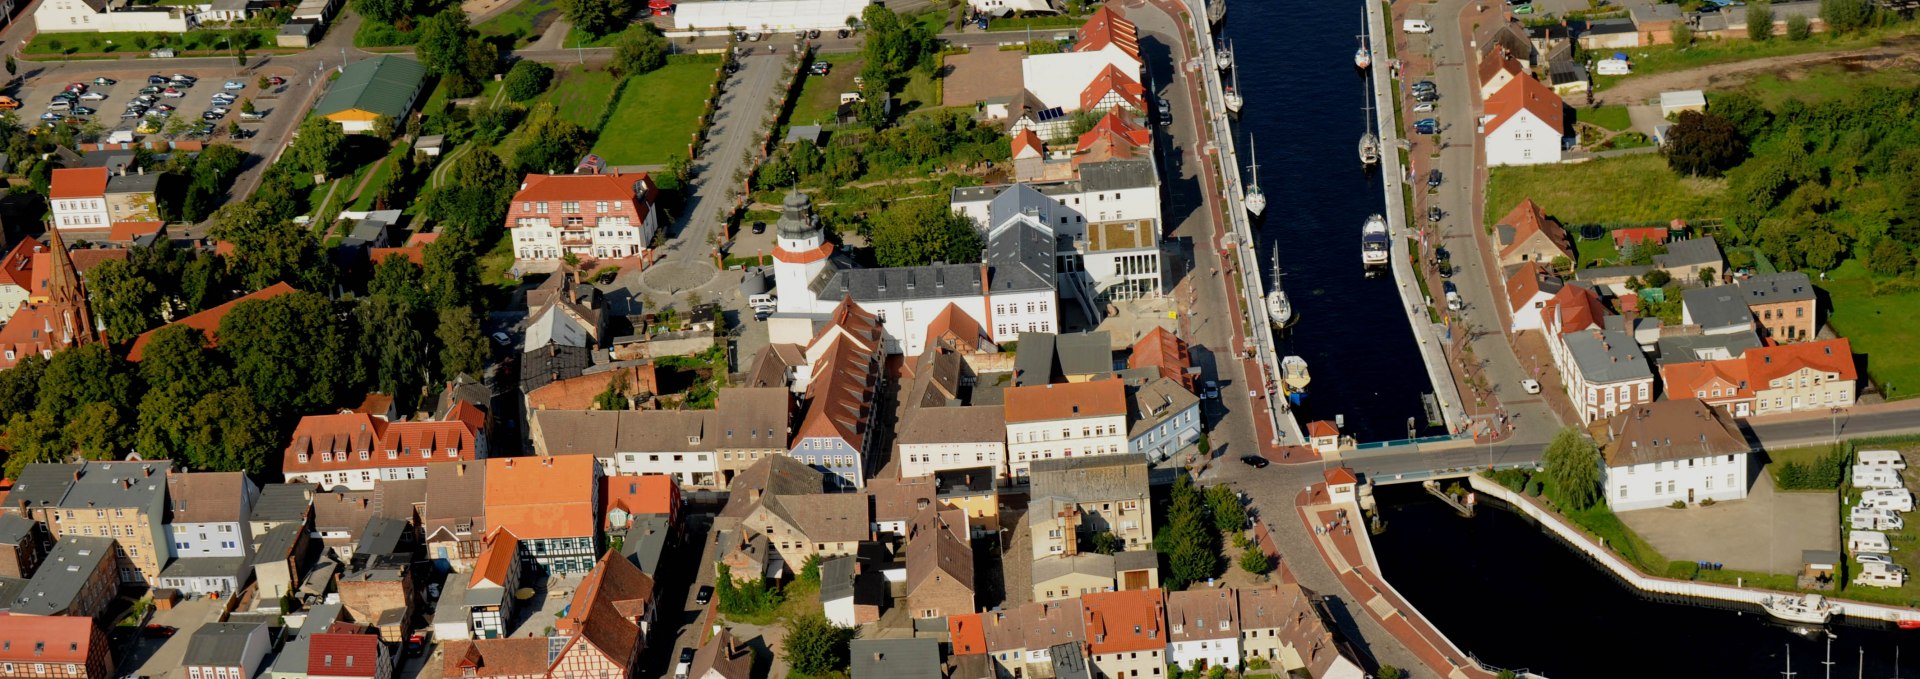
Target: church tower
800	254
69	317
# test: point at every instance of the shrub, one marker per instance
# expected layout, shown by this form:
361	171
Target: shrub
1798	28
1255	561
1533	489
526	80
1677	504
1707	502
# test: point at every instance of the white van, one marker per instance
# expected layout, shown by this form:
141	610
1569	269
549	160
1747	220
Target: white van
1875	477
1894	499
1881	459
1416	26
120	137
1868	541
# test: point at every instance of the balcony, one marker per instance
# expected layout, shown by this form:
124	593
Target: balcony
576	238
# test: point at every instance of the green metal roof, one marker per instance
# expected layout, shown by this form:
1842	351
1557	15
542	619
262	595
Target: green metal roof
383	85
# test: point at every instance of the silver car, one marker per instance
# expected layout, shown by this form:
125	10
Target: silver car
1873	557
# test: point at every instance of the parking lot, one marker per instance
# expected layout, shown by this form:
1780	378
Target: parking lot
109	100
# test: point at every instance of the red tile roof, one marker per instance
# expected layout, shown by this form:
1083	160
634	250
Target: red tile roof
1117	129
331	654
335	442
642	494
79	182
956	324
44	639
840	394
542	497
1120	622
1766	364
414	253
19	262
1319	428
1106	27
612	186
1028	140
1111	81
1340	475
607	609
1638	235
1525	94
1524	285
209	321
1528	219
969	634
1576	308
1492	66
1162	350
497	559
1699	379
127	231
1043	402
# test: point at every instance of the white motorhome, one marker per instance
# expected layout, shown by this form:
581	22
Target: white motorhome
1880	575
1876	477
1868	541
1894	499
1873	518
1881	459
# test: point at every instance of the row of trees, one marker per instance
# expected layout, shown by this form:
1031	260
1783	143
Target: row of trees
1191	537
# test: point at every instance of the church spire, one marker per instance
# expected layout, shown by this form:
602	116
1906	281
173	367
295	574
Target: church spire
66	297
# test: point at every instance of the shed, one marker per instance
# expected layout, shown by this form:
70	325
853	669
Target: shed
1672	103
430	144
366	90
811	134
298	34
1820	562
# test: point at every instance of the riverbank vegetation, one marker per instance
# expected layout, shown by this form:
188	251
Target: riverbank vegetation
1851	24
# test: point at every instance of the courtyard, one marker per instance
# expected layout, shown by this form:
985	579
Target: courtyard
1763	533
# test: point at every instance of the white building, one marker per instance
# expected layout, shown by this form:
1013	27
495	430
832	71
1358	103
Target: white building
1166	419
1005	7
1077	419
1605	372
954	437
210	511
1680	450
1203	628
766	15
590	216
78	196
1107	228
224	650
1529	290
1015	284
90	16
1524	124
1106	39
676	443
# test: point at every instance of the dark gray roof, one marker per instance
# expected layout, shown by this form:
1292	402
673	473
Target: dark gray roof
133	183
61	577
1093	478
965	481
1642	13
1084	353
42	485
1068	661
15	529
753	417
896	659
383	536
542	366
1033	364
276	544
1610	26
646	541
1716	308
1019	199
1704	347
755	282
283	502
1773	288
898	283
10	589
1117	174
1690	254
1137	559
836	578
219	644
1155	402
104	484
293	656
1607	356
1566	72
1020	258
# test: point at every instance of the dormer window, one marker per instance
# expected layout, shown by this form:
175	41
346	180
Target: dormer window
303	458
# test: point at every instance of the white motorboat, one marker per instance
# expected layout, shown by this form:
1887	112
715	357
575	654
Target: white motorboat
1811	609
1255	200
1362	58
1293	371
1375	246
1233	100
1279	310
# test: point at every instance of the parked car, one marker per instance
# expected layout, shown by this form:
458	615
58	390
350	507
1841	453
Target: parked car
209	116
1873	557
68	97
172	93
1454	302
104	81
1530	386
1425	85
501	338
703	596
50	115
1426	126
685	666
233	85
93	96
276	81
150	90
148	98
84	111
821	68
1433	214
183	76
77	88
1433	178
759	227
844	33
1426	97
1254	461
1210	389
158	631
1423	107
156	80
9	103
133	113
252	115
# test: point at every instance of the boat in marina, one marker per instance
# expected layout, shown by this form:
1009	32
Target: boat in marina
1216	11
1369	149
1812	609
1293	371
1223	57
1255	200
1375	246
1363	56
1279	310
1233	100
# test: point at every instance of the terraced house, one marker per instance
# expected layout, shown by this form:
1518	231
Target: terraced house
352	449
549	504
126	501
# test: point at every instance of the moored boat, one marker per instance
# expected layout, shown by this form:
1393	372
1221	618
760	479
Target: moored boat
1375	246
1279	309
1362	58
1223	57
1369	149
1293	371
1255	200
1233	100
1807	608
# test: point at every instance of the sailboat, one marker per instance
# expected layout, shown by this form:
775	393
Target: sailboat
1279	310
1369	143
1255	200
1234	102
1362	57
1223	57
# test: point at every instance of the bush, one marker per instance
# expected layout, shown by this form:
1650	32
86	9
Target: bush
1760	22
1682	570
526	80
1822	473
1677	504
1533	489
1707	502
1798	28
1255	561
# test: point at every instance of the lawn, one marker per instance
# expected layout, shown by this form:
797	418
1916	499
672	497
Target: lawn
921	91
1825	82
1036	23
1610	117
820	96
525	22
1668	58
191	41
1880	326
579	38
1776	459
1631	190
661	111
1596	252
581	94
935	21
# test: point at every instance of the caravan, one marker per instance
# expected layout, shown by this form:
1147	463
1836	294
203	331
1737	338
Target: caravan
1872	518
1868	541
1892	499
1881	459
1880	575
1865	476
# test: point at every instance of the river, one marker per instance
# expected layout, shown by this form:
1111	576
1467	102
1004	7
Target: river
1509	593
1303	107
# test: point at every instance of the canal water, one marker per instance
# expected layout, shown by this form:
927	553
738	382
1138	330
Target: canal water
1303	109
1516	597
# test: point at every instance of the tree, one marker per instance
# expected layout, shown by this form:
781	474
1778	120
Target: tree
1704	144
1083	122
20	386
1798	28
615	396
316	147
230	433
97	431
1656	278
1841	16
32	437
398	278
639	52
383	11
1889	258
526	80
1228	515
810	569
1682	35
294	352
462	350
246	106
1189	538
1105	542
450	276
12	68
82	375
1573	464
596	17
1706	276
1390	672
913	233
126	302
443	39
1255	561
268	252
554	145
1760	21
396	349
815	646
177	356
381	128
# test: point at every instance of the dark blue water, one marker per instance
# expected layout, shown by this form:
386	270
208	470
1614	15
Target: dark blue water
1516	597
1304	108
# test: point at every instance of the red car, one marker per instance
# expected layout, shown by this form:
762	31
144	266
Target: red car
277	81
77	88
157	630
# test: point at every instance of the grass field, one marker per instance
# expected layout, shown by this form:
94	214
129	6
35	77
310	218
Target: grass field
1594	192
662	111
525	22
1610	117
1824	83
140	42
1599	250
1668	58
1880	326
1037	23
820	96
581	94
921	91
